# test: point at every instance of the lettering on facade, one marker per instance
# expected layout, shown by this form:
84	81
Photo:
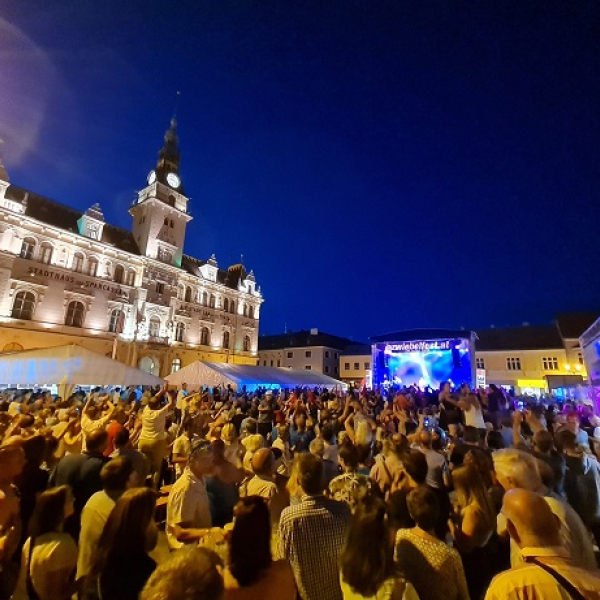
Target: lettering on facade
96	285
155	274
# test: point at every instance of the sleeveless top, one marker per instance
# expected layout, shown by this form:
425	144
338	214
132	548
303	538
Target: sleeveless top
474	417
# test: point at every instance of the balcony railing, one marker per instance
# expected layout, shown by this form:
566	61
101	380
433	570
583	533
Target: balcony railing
158	339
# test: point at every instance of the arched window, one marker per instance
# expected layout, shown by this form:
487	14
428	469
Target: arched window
154	327
119	275
171	200
12	347
246	343
28	248
92	267
131	277
75	314
188	294
245	310
204	299
46	253
23	306
180	332
117	321
232	308
78	259
212	301
205	337
226	305
175	365
180	292
251	312
226	339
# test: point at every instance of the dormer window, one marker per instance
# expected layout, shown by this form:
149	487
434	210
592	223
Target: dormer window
92	232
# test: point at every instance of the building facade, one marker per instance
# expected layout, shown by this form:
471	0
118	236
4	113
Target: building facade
71	277
309	349
535	359
355	365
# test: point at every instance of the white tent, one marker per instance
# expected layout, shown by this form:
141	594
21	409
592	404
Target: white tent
213	374
67	366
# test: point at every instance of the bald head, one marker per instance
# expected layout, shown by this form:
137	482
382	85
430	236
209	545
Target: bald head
531	522
262	462
425	439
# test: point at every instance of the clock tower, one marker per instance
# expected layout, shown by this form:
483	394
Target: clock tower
160	213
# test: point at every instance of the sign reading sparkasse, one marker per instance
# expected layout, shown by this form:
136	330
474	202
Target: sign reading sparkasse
87	283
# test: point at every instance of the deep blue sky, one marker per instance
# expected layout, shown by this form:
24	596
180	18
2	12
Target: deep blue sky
380	164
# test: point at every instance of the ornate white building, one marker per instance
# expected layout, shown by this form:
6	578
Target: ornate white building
67	276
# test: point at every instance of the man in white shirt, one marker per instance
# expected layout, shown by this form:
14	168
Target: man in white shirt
262	484
182	447
181	403
92	418
153	437
188	506
117	476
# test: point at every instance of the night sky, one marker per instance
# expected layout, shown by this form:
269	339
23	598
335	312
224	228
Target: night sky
380	165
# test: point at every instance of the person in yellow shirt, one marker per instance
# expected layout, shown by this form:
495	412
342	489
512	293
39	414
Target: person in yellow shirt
547	573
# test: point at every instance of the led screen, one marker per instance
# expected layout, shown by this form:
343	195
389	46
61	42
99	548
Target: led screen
422	363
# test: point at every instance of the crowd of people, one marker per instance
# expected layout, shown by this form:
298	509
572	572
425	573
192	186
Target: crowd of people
311	494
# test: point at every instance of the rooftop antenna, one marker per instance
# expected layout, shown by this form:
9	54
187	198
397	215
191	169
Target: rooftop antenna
241	259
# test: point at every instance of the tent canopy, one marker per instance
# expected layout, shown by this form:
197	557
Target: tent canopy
213	374
69	365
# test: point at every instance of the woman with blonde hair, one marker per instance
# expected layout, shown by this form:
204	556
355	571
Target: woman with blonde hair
473	526
121	564
49	557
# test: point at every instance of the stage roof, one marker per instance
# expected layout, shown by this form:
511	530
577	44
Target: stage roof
416	335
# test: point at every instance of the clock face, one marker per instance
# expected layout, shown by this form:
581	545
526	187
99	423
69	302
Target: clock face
151	177
173	180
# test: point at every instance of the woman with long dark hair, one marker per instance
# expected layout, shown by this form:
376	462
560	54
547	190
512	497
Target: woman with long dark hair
49	557
251	572
121	565
367	570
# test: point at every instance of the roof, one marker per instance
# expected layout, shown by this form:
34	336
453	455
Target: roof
301	339
539	337
211	374
357	350
69	364
230	278
413	335
573	325
64	217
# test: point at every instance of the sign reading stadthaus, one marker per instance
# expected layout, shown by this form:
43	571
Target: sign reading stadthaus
67	278
422	346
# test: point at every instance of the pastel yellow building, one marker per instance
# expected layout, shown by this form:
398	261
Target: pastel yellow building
534	359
